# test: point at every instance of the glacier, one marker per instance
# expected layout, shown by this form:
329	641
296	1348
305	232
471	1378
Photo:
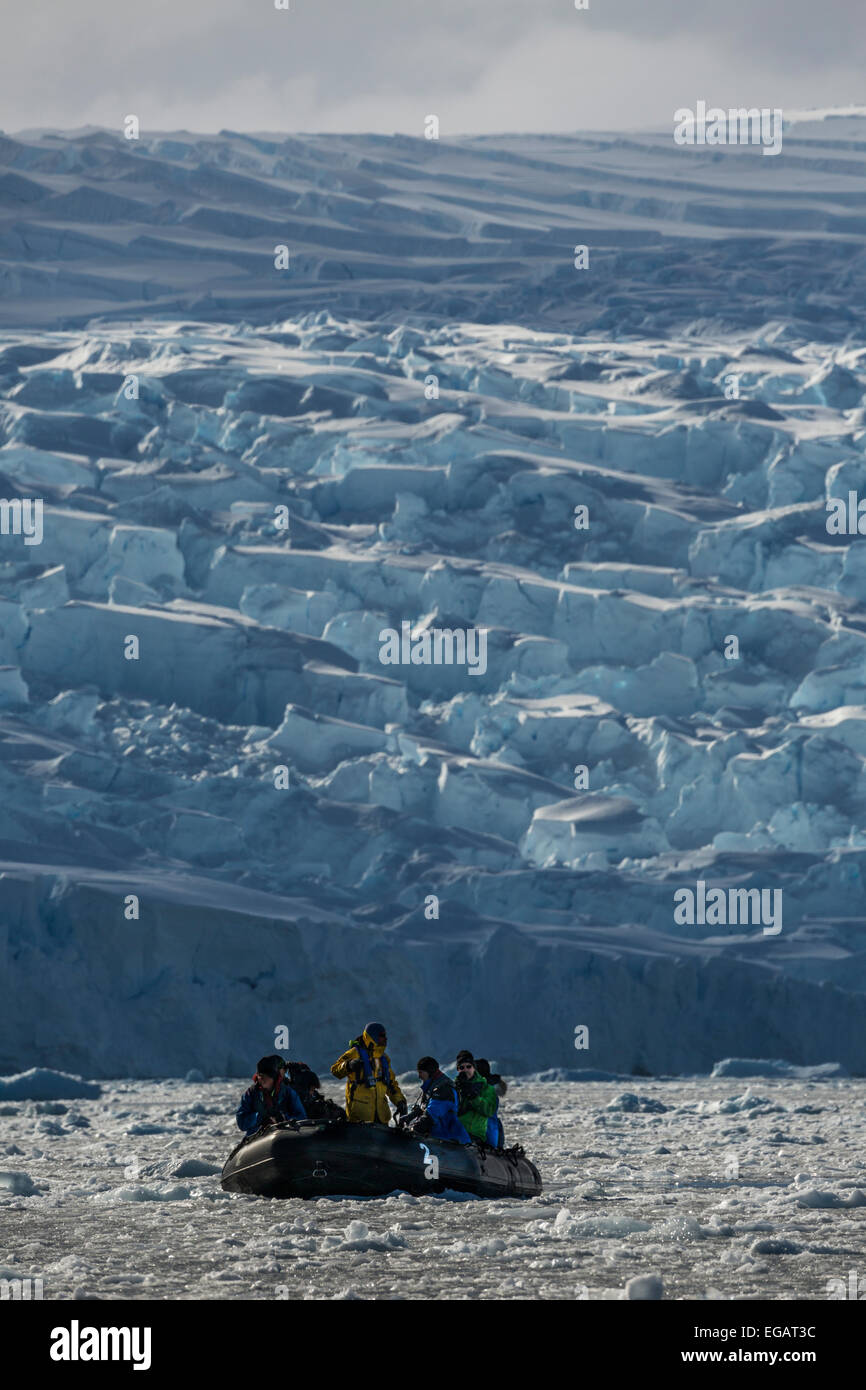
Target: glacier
222	813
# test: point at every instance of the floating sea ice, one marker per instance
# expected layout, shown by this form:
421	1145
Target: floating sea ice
737	1104
645	1286
771	1066
17	1185
358	1236
681	1228
630	1103
589	1191
143	1194
41	1083
567	1227
195	1168
810	1197
494	1246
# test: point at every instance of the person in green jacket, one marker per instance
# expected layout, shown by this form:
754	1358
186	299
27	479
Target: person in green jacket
477	1102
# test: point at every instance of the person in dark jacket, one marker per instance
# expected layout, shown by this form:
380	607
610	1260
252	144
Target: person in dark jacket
304	1082
499	1085
270	1099
307	1086
439	1105
477	1103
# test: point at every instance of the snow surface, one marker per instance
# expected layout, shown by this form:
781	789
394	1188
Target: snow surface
696	1201
309	906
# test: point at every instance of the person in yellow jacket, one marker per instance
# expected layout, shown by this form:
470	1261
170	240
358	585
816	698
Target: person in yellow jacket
370	1080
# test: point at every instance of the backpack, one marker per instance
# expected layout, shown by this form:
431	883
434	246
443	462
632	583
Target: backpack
302	1079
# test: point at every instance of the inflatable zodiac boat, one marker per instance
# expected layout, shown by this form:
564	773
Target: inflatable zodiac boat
321	1158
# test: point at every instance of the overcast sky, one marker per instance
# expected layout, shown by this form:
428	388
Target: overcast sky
383	65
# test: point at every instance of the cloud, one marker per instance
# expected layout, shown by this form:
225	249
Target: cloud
481	65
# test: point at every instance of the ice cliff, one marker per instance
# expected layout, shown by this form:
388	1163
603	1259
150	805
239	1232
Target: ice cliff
221	812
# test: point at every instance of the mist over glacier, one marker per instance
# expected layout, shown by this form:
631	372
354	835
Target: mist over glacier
404	427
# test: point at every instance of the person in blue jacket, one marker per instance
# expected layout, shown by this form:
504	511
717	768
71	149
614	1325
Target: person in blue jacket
439	1119
270	1099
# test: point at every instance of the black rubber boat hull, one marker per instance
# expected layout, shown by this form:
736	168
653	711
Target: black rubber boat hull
331	1158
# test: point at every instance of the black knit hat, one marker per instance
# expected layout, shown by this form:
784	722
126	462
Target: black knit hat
376	1031
465	1056
271	1066
428	1064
